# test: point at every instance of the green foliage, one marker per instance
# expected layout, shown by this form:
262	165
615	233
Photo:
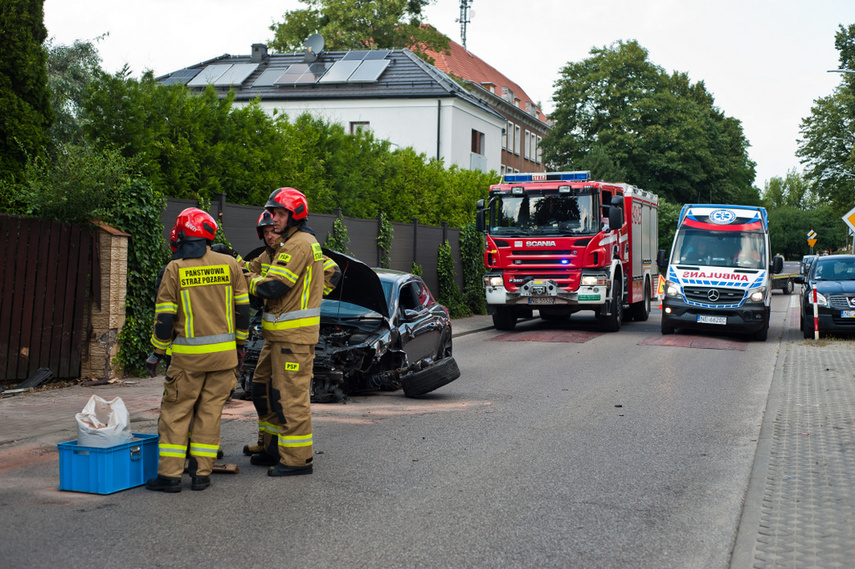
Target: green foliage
338	239
24	95
472	258
384	241
449	294
669	215
136	210
792	191
417	269
70	69
359	24
601	165
664	132
788	228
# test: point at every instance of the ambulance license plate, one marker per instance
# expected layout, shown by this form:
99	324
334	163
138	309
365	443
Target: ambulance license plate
847	313
705	319
541	300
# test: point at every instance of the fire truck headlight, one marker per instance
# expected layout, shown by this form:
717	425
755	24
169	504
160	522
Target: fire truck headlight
756	294
589	280
672	289
493	280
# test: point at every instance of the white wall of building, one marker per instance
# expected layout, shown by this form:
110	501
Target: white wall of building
411	122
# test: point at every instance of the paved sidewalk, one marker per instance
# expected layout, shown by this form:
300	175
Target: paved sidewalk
800	507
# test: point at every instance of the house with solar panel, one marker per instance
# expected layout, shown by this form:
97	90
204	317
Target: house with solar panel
393	93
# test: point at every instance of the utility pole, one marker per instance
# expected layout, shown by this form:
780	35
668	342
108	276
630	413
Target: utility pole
464	19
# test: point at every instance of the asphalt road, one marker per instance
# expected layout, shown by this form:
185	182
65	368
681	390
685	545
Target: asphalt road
559	446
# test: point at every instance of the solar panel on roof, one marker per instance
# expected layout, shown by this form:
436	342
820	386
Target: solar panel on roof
354	56
236	75
269	77
209	75
369	71
181	77
376	54
340	71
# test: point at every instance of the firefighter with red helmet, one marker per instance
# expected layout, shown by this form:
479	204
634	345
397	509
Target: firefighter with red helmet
292	288
202	310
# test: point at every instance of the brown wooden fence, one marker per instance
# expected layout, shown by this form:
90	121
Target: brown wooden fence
47	277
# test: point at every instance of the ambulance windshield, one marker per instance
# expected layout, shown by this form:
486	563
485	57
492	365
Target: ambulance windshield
743	249
556	214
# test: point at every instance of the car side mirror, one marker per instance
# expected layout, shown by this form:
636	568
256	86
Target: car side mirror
410	315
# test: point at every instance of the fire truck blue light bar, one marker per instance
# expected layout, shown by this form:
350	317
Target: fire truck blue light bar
580	176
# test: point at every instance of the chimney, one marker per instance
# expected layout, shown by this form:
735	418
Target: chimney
259	52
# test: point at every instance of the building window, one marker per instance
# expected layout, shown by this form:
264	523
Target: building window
509	133
539	153
527	144
477	142
517	139
505	138
356	126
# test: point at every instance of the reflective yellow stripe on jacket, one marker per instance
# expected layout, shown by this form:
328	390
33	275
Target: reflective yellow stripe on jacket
204	344
291	320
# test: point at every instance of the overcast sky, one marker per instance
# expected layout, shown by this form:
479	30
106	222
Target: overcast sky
764	61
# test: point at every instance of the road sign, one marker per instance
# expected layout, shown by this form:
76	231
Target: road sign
849	218
811	242
811	234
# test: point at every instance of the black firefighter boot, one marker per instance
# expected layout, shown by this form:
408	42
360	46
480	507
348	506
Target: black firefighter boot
164	484
197	482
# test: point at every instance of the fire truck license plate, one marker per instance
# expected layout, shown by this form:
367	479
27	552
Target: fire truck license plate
847	313
704	319
541	300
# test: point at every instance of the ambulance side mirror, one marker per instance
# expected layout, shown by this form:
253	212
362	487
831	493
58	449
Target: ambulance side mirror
777	264
662	258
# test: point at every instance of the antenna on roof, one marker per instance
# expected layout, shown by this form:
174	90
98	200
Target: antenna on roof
314	47
464	19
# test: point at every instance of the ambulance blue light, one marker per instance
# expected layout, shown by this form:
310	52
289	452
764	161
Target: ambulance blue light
579	176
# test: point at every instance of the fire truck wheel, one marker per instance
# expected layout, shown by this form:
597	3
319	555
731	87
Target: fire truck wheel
612	321
504	318
641	310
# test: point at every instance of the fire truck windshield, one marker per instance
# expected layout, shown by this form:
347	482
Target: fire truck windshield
720	248
556	214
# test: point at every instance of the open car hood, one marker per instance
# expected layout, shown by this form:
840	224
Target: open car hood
359	284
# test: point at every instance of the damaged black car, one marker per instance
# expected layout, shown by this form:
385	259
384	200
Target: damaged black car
381	330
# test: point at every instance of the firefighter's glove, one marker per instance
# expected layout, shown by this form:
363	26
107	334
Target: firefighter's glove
241	352
226	250
151	364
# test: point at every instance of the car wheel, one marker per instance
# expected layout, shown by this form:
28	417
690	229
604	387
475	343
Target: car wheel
788	287
504	318
807	328
641	310
424	381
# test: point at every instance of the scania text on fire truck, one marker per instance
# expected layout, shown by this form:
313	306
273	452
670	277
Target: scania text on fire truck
559	243
720	271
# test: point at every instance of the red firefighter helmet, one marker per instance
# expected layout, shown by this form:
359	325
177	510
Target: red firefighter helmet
292	200
173	239
266	218
195	223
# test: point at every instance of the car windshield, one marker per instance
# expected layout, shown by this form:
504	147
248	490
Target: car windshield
834	270
742	249
556	214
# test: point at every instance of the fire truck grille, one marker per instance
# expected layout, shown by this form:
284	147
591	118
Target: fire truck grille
712	295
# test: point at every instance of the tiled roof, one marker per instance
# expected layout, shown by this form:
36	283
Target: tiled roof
466	65
405	76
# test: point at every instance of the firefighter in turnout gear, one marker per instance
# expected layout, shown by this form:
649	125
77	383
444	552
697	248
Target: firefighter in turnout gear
259	266
292	289
202	310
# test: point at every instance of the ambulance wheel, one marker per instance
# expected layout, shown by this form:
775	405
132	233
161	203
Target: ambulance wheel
504	318
666	328
761	334
612	321
641	310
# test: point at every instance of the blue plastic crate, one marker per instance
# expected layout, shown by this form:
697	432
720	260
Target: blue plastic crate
109	469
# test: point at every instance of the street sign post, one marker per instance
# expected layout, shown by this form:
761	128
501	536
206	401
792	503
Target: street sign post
811	239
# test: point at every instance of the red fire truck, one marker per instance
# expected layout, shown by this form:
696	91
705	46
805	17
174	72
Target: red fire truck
558	243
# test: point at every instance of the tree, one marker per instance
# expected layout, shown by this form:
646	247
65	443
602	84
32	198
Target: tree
70	69
663	131
24	95
791	191
359	24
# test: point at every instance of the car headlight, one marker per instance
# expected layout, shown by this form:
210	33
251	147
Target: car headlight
820	299
756	294
493	280
672	289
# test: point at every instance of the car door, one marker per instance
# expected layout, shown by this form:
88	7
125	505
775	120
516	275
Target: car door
420	328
